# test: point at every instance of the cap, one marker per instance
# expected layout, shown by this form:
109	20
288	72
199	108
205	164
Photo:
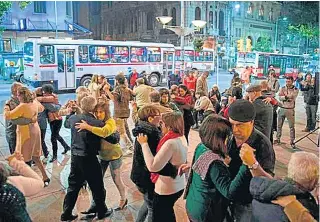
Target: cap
242	111
254	88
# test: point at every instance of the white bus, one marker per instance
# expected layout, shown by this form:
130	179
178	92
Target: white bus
69	63
200	60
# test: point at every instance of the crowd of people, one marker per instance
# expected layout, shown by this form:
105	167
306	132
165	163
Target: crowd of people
231	176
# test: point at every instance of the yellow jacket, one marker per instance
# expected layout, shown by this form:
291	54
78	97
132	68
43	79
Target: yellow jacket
108	151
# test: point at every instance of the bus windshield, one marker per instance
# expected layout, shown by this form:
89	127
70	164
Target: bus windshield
28	51
47	54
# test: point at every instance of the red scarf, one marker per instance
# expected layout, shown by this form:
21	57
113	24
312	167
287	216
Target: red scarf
170	135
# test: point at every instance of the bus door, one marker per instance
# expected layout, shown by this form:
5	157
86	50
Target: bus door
168	63
66	68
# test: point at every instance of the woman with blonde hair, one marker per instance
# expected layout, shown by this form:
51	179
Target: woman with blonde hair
172	148
94	86
28	136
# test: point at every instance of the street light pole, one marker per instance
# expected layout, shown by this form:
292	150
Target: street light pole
276	36
182	37
56	14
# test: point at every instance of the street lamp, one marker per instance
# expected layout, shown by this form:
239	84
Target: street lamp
181	30
276	34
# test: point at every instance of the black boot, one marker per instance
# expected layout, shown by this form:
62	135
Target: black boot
54	158
91	210
105	214
70	217
66	149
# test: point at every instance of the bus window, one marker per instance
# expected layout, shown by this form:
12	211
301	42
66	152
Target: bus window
138	54
47	54
119	54
198	56
28	51
208	56
154	54
289	62
98	54
83	54
177	55
189	56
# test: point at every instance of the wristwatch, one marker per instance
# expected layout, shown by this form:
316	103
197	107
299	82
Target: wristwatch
254	166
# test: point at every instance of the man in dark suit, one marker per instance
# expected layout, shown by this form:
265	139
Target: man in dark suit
84	163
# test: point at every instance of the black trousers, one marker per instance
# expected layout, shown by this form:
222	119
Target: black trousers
55	127
163	207
43	143
187	131
198	115
85	168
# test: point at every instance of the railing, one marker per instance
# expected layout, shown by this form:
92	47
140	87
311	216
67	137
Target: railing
40	25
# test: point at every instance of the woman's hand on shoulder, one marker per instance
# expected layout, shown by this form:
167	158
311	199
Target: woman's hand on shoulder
82	126
141	138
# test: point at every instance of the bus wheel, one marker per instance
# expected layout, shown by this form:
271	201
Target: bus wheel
154	79
85	81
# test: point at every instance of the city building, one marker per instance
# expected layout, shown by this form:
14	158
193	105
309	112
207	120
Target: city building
51	19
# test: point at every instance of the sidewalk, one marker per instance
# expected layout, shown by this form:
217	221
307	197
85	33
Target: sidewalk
47	205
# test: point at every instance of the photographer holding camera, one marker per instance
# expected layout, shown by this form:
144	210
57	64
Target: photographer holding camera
287	96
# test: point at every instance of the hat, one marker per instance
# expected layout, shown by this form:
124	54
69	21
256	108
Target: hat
242	111
254	88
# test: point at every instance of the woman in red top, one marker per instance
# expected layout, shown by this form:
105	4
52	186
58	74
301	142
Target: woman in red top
185	103
190	81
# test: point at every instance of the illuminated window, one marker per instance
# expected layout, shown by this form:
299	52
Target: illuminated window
138	54
119	54
154	54
98	54
83	54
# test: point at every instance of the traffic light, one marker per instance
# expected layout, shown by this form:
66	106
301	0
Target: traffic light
248	45
240	45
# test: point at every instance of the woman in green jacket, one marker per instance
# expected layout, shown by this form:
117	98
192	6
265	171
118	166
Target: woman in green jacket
210	186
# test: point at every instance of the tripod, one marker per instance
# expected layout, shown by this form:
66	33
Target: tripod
307	136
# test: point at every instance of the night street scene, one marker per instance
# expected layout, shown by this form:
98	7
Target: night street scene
159	111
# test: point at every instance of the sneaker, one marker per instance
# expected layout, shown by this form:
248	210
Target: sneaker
306	130
293	146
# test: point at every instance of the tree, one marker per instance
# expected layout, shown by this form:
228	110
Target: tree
263	45
306	32
6	5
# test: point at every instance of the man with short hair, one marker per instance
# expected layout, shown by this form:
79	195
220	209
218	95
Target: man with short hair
287	96
11	125
202	84
241	116
142	93
155	102
121	96
84	162
264	111
301	180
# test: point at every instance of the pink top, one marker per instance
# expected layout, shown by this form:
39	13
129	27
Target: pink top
29	182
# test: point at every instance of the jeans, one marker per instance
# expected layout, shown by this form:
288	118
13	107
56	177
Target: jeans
242	213
12	141
43	143
85	168
55	127
146	210
163	207
290	115
196	114
311	111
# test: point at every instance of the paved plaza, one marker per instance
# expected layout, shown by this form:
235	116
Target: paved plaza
47	205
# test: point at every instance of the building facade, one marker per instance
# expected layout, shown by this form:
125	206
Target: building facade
50	19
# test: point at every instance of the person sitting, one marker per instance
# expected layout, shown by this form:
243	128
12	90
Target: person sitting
17	181
202	104
165	100
302	178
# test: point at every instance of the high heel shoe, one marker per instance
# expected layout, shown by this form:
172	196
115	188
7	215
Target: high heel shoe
122	205
65	150
46	182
